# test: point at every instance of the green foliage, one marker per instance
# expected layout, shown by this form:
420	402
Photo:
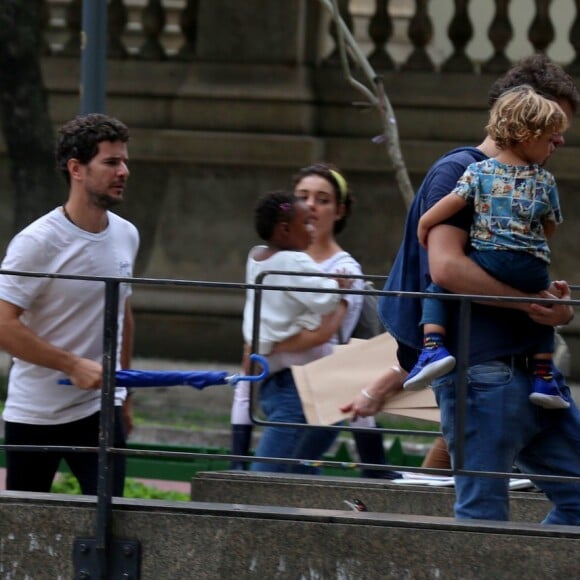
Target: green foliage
182	418
138	490
67	483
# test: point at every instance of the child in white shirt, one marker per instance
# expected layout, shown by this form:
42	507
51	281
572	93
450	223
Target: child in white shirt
283	222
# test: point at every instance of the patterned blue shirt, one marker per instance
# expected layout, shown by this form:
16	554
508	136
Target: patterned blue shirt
510	202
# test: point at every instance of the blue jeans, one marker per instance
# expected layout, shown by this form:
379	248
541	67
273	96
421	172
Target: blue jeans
280	403
312	445
518	269
504	429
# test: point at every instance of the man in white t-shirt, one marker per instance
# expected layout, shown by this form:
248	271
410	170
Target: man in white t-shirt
53	328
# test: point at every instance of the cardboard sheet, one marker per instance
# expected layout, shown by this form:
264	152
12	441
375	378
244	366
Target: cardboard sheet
328	383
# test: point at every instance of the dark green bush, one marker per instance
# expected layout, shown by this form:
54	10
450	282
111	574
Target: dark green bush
67	483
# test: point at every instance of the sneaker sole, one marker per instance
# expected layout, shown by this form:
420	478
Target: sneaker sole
434	371
549	401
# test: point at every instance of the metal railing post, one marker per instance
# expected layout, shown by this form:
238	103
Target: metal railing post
107	428
461	385
94	57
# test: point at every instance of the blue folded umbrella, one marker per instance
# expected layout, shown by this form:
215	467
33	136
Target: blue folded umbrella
199	379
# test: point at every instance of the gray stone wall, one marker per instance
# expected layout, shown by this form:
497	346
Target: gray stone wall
209	138
216	540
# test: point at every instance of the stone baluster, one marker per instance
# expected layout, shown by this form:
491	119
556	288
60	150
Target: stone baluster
44	24
380	30
574	67
116	23
500	33
420	34
153	20
344	10
541	32
460	32
188	24
73	23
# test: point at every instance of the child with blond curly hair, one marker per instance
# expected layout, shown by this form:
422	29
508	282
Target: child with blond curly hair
516	209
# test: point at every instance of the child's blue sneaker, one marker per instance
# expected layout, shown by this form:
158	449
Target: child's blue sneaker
432	363
547	394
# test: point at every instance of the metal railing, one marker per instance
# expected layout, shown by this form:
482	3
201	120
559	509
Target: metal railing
103	542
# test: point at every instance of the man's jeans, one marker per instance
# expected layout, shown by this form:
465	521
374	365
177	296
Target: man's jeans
280	403
504	429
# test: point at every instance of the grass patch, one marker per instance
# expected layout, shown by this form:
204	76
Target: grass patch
67	483
194	420
180	412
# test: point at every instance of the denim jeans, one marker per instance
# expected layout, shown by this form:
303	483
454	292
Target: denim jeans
312	445
316	442
280	403
504	429
518	269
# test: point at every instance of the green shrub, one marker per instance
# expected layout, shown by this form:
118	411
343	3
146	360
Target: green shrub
67	483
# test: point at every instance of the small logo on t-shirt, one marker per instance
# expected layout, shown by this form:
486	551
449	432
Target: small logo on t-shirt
124	268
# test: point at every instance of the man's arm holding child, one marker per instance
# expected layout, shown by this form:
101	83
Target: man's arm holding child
440	212
452	269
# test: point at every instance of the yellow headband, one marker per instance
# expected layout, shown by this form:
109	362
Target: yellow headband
342	184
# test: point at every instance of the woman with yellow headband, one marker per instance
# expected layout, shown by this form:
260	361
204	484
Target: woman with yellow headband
326	192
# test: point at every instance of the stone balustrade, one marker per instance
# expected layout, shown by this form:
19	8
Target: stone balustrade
226	98
421	35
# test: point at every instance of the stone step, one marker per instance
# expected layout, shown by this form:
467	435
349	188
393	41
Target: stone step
225	540
325	492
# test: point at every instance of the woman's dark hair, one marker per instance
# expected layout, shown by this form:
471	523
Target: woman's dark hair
80	138
271	209
341	190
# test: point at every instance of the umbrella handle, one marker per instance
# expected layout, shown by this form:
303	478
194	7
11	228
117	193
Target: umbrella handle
265	371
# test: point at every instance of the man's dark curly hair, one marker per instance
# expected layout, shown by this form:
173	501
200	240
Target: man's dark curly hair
80	138
546	77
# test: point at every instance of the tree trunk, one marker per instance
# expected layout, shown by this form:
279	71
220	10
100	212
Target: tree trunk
26	124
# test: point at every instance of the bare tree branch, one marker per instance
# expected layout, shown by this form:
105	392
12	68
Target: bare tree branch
376	97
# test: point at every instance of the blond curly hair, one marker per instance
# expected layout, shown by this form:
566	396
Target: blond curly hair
521	114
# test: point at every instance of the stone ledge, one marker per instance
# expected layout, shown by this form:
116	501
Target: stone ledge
296	514
324	492
211	540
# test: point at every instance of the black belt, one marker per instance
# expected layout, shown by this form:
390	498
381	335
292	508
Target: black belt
518	361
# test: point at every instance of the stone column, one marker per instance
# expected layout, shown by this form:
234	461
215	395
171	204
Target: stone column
257	31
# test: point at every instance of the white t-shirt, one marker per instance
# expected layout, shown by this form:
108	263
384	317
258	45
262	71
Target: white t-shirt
285	313
67	313
343	263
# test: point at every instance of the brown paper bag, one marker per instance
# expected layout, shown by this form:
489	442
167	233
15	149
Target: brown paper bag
328	383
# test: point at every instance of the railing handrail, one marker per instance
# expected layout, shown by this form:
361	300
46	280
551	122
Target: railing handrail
106	450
